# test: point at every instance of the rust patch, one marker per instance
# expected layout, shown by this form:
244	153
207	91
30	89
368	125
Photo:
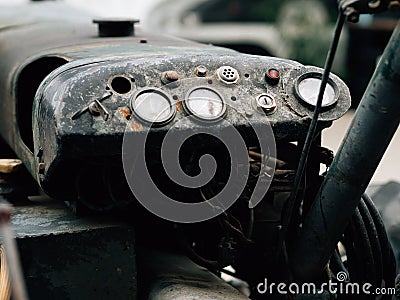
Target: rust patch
178	106
125	112
136	126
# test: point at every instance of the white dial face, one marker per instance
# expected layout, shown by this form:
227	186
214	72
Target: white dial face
153	107
308	90
205	103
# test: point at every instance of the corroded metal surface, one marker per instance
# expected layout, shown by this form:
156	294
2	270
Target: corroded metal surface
168	276
51	217
66	257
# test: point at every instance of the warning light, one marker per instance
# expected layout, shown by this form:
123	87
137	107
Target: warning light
272	76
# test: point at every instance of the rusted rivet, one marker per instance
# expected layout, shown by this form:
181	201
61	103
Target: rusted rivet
169	77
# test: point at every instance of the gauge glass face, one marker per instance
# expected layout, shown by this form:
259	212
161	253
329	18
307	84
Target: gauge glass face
153	106
308	90
205	103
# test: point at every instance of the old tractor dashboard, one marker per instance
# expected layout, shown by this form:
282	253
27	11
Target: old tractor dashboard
90	88
102	97
92	106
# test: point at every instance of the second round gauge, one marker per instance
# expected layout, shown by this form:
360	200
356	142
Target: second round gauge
205	103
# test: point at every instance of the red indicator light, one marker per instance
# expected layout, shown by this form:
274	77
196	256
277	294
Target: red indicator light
272	76
273	73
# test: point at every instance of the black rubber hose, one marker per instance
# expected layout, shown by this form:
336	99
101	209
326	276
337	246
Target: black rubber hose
337	264
363	247
352	261
389	260
374	241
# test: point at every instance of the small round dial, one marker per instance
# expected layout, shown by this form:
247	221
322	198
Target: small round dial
205	103
153	106
308	86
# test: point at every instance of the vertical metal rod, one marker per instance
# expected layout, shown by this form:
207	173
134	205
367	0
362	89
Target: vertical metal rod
374	124
11	253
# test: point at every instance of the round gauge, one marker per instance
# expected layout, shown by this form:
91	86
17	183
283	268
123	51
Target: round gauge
205	103
153	106
307	89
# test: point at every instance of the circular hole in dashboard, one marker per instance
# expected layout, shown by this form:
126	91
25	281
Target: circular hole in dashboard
121	85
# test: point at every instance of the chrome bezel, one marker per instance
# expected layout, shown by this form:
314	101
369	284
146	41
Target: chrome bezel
316	75
200	117
142	118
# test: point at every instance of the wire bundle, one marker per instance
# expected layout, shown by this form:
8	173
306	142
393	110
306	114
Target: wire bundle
370	257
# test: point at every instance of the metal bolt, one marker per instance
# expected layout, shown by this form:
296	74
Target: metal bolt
267	103
249	113
169	77
201	71
352	15
94	109
42	168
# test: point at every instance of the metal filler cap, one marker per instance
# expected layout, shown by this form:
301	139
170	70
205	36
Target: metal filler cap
116	27
267	103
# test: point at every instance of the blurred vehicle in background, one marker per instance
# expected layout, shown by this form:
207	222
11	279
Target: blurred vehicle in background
367	40
295	29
